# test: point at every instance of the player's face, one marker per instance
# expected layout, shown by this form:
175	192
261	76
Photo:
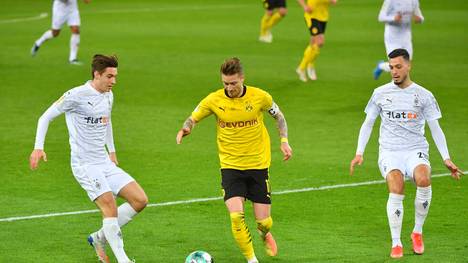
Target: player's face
399	69
105	80
233	84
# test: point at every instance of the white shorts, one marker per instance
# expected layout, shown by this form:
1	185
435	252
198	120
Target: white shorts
97	179
404	161
62	13
392	45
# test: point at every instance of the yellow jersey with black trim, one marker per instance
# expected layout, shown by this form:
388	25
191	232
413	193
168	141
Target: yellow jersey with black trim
319	10
243	140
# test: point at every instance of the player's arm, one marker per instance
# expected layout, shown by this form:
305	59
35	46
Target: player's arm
282	126
187	127
384	15
110	143
441	143
364	135
305	6
417	15
42	126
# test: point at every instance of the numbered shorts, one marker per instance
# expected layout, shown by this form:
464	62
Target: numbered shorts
273	4
405	161
101	178
251	184
65	13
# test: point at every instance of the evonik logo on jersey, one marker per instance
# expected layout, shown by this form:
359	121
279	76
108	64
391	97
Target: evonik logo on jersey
92	120
237	124
401	115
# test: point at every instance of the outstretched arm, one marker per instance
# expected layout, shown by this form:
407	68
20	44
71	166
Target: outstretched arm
276	113
42	125
441	143
186	129
364	135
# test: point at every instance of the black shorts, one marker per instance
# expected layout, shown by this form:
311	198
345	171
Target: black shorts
273	4
316	27
251	184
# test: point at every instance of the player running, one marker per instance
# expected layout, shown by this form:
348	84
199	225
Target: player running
404	108
87	111
316	15
244	151
275	10
397	16
63	11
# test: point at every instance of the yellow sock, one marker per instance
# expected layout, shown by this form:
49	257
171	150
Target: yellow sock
264	25
264	225
241	234
310	54
275	18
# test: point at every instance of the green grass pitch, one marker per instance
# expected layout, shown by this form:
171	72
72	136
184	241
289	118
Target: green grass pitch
170	52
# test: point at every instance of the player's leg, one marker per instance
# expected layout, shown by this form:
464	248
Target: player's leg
277	16
382	65
419	166
93	179
265	34
235	190
74	23
317	29
392	168
395	182
259	192
59	17
106	203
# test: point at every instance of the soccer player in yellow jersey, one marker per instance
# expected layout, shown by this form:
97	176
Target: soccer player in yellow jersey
316	17
244	151
275	10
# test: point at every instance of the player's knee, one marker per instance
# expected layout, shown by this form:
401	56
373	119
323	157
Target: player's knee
422	175
55	32
283	12
140	202
395	182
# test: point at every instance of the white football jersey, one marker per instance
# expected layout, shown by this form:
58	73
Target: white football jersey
399	32
403	113
87	113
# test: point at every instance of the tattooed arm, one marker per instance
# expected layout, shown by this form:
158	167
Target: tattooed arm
186	129
276	113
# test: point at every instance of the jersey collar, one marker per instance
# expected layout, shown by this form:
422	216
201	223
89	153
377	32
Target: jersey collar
243	93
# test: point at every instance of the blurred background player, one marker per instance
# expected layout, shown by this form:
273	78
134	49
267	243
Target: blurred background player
275	10
244	151
316	16
404	108
87	111
63	11
397	16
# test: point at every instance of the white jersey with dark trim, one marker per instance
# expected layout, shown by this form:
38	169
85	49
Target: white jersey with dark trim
403	113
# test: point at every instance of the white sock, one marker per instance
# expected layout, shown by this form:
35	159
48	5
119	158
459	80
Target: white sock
384	66
74	42
253	260
421	207
46	36
125	213
113	235
395	217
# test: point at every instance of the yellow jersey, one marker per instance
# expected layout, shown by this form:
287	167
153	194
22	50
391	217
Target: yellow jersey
319	10
243	140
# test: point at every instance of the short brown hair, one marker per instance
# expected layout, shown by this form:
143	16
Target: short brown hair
232	66
101	62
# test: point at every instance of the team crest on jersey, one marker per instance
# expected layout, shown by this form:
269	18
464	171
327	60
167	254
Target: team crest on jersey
248	106
417	101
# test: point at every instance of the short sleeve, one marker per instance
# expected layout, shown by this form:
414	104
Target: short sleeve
431	110
203	110
66	102
267	102
372	109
